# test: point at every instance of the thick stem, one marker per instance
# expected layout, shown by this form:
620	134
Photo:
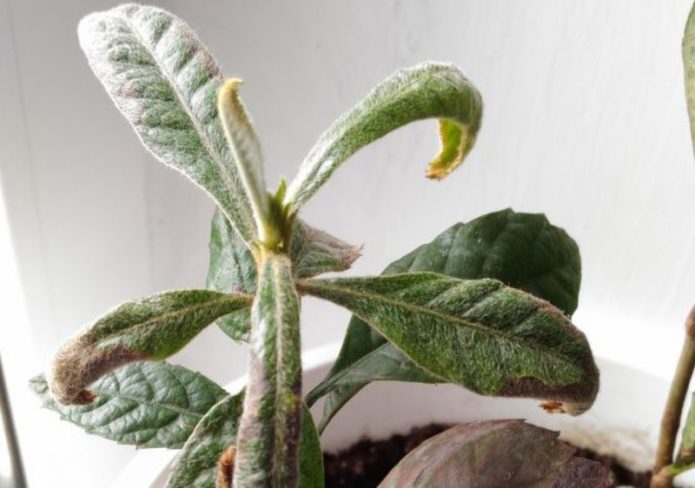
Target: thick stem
671	419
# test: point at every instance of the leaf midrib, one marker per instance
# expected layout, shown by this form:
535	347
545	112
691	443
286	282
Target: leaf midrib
439	315
216	158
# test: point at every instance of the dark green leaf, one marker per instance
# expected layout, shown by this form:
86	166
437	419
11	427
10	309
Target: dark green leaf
520	249
165	83
144	404
149	328
232	269
310	453
269	430
198	464
233	266
493	454
429	90
479	334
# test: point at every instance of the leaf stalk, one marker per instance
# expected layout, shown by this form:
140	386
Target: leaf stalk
662	477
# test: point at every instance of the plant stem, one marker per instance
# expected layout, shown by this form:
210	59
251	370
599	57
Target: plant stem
670	421
11	436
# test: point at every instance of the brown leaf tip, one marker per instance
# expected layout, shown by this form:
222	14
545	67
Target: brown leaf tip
225	468
435	174
78	363
552	406
85	397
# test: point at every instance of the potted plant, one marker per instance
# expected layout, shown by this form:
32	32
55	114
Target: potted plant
486	305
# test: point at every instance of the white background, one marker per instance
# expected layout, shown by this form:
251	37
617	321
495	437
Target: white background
584	120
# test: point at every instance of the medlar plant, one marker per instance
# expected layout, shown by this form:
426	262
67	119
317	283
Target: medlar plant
468	308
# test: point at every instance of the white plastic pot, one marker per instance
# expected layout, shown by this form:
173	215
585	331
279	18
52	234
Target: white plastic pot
622	423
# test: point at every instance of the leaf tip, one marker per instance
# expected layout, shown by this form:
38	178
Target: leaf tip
228	95
225	468
457	141
78	363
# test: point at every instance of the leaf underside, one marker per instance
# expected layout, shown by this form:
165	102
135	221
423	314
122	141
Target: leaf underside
479	334
232	267
493	454
146	404
520	249
428	90
165	83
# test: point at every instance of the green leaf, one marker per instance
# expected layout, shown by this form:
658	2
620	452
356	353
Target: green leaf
491	453
310	453
689	69
144	404
244	144
686	453
520	249
150	328
267	447
479	334
421	92
232	266
165	83
315	252
198	464
232	269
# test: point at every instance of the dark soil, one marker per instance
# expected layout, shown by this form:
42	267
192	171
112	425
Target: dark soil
368	462
622	475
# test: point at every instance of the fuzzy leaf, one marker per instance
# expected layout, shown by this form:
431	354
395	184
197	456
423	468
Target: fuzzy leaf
479	334
198	464
429	90
520	249
244	144
267	445
315	252
233	267
165	83
147	404
493	454
150	328
689	69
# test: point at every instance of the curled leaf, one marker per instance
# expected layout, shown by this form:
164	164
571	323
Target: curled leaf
245	147
150	328
522	250
428	90
480	334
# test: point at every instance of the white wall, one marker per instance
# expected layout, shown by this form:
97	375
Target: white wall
585	120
